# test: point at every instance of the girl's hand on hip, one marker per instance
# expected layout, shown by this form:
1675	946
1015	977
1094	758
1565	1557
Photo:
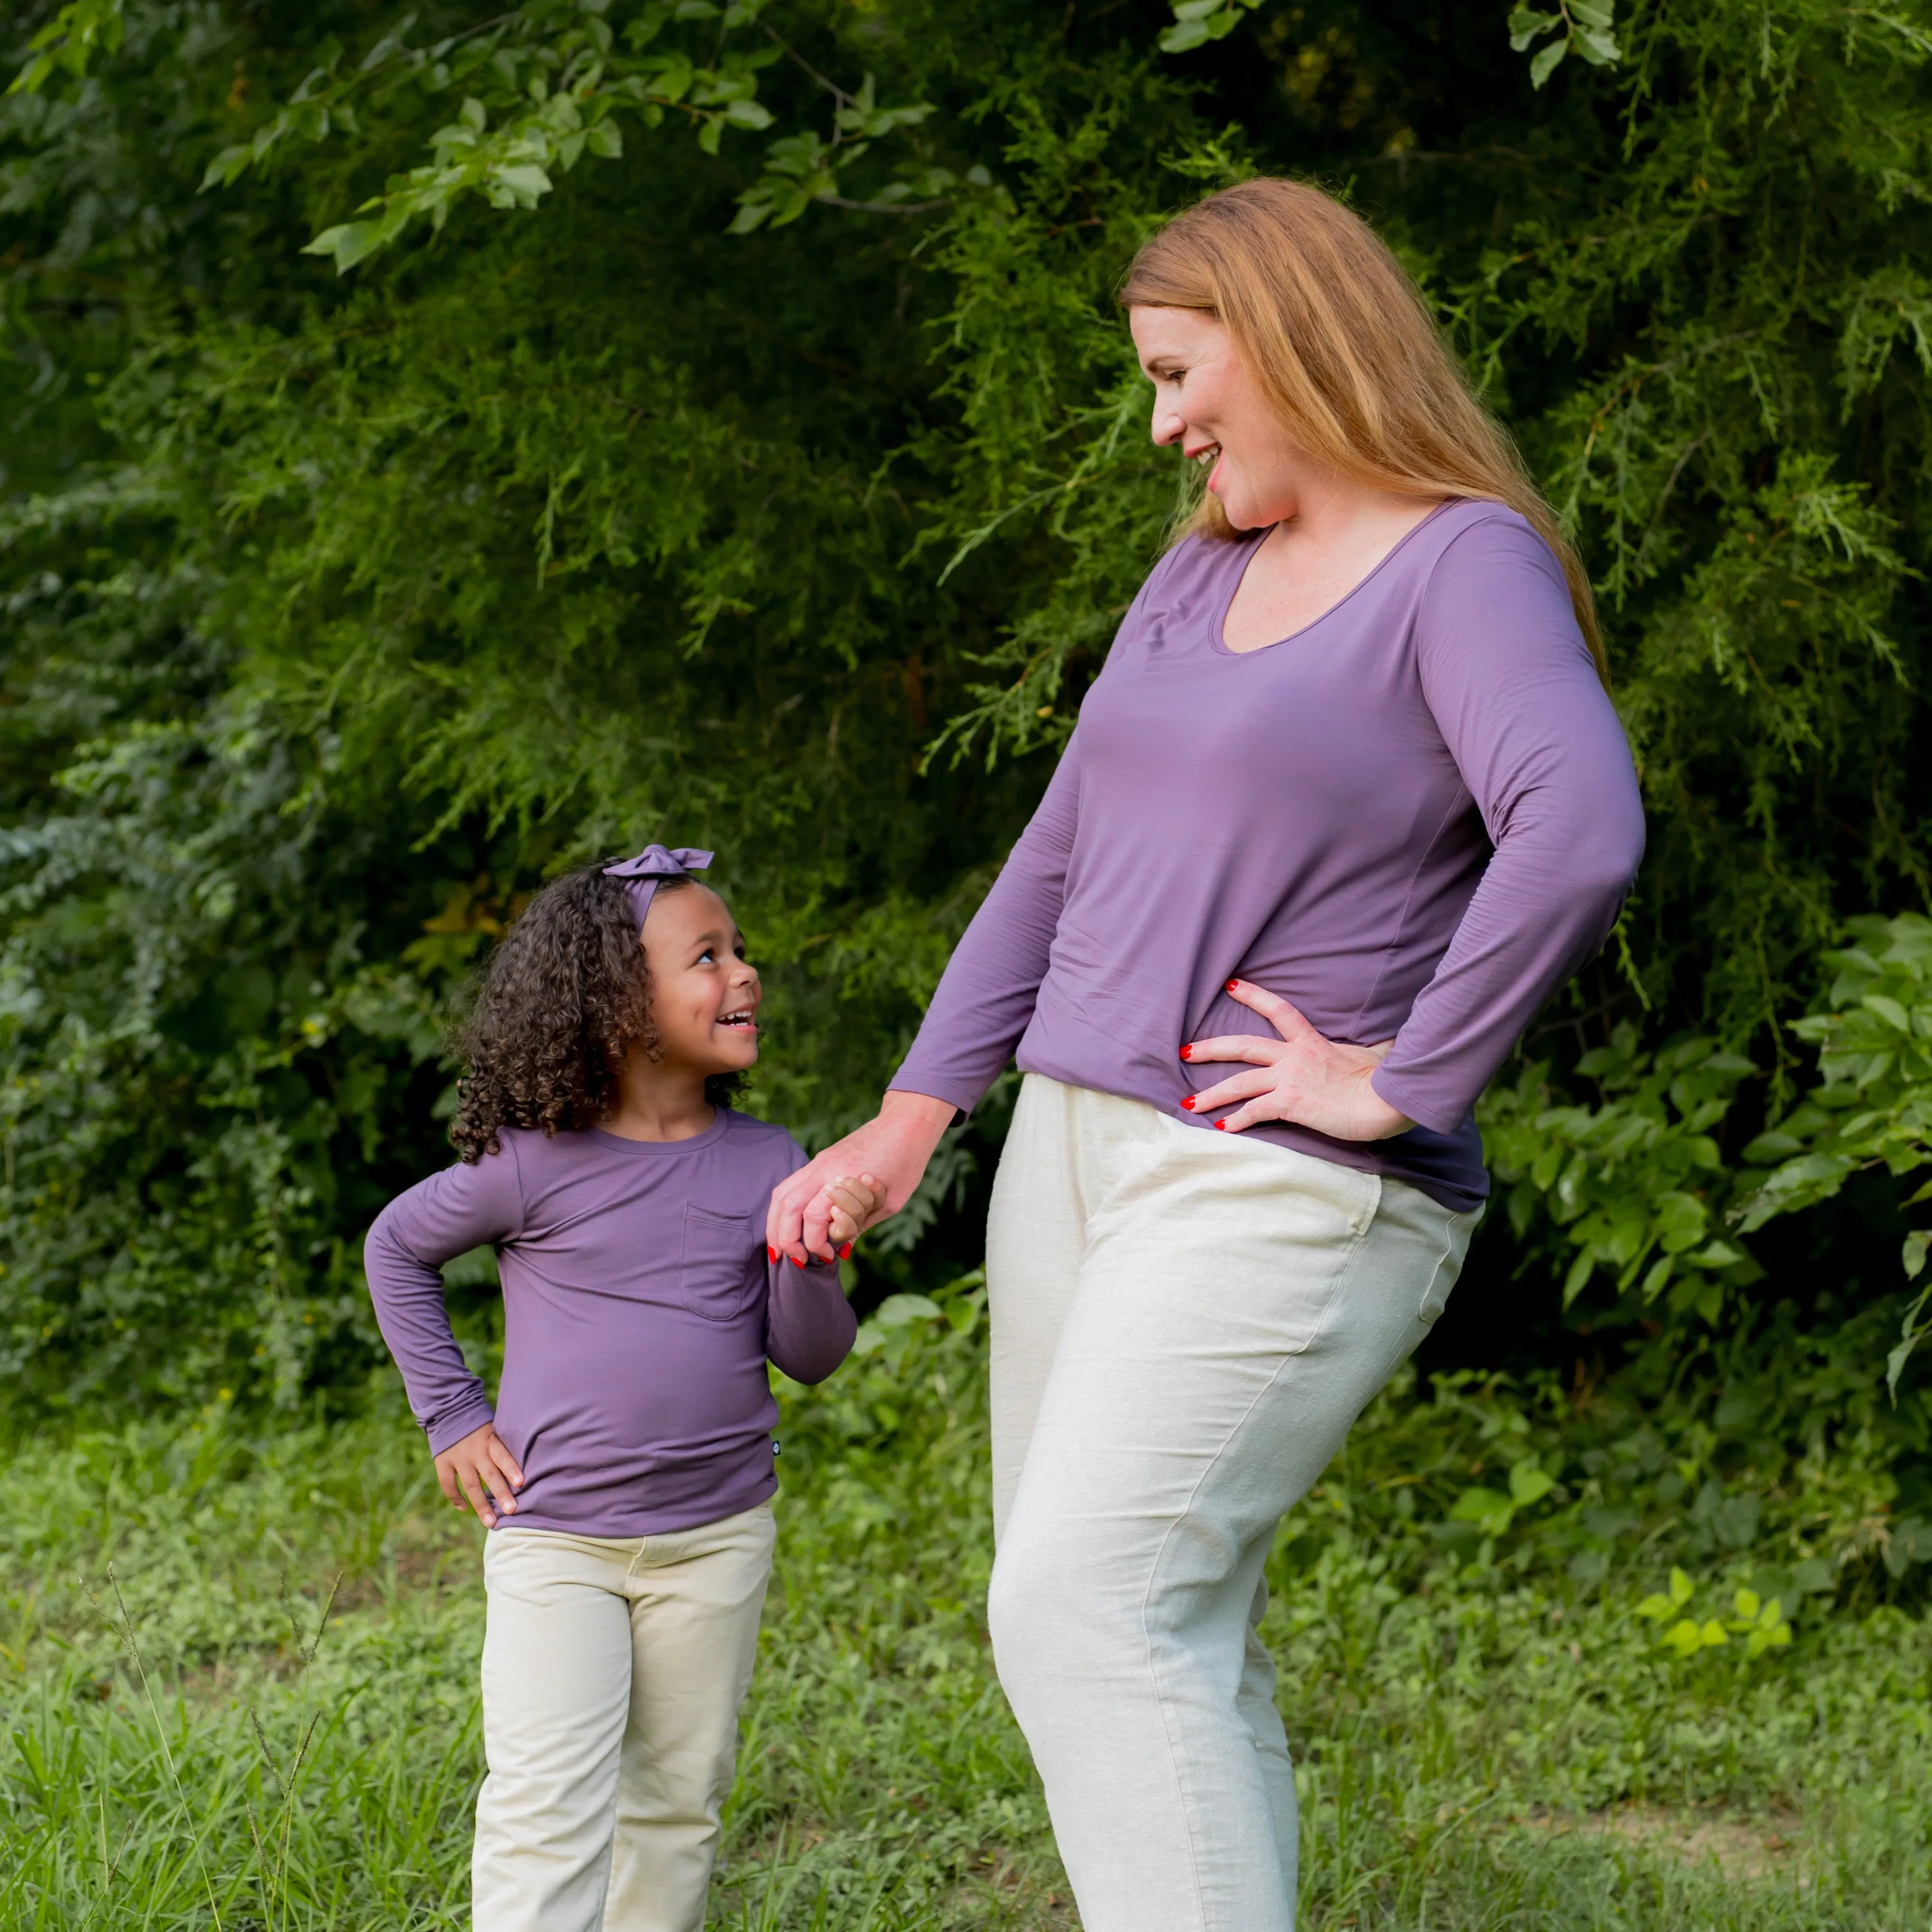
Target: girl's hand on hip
479	1467
889	1151
1302	1076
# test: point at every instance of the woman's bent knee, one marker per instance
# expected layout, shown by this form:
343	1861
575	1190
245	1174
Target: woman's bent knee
1027	1618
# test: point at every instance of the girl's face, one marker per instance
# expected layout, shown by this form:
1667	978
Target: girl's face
1205	400
704	993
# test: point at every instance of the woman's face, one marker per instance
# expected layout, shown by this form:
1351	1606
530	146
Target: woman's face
704	992
1205	400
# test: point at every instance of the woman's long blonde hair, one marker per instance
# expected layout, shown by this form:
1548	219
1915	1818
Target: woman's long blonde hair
1337	334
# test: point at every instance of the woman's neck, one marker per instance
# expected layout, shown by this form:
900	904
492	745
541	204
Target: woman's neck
658	1103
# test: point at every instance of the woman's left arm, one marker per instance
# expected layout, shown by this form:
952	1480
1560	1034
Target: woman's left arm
1515	695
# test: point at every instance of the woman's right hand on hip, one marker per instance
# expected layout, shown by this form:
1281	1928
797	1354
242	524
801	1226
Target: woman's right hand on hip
892	1149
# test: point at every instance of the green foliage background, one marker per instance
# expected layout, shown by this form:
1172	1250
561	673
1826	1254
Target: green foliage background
720	431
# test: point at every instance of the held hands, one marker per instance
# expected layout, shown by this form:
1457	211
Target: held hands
479	1467
1303	1076
847	1204
851	1204
889	1153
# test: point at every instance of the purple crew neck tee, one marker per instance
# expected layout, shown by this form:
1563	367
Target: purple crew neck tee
639	1311
1414	819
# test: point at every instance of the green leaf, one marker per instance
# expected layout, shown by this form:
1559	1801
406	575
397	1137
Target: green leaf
1529	1484
1719	1255
349	242
1888	1010
1491	1513
1526	24
525	180
1547	61
1580	1271
1685	1637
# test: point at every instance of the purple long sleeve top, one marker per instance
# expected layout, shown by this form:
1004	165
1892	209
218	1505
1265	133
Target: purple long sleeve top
639	1311
1413	819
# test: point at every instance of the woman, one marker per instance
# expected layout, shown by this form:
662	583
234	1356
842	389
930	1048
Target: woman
1350	775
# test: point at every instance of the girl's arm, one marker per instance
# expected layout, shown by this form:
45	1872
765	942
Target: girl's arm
1518	703
809	1325
463	1208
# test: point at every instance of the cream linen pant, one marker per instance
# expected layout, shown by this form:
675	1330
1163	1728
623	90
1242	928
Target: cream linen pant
1184	1326
613	1671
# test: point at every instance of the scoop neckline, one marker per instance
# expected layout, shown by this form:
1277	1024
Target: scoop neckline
1216	635
721	1116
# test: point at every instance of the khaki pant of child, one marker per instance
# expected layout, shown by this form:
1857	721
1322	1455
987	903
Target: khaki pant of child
1184	1325
613	1671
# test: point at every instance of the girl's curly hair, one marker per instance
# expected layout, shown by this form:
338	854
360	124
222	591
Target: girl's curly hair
560	1005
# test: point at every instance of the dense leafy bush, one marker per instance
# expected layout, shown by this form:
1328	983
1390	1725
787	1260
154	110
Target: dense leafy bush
721	431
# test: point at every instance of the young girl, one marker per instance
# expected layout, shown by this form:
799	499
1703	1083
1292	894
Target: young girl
626	1476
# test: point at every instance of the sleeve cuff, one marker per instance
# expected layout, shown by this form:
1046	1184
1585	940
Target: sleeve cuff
963	1099
1407	1098
446	1430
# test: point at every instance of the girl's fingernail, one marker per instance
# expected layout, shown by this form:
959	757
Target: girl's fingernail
845	1252
1232	984
796	1262
1187	1105
1187	1053
1220	1126
771	1252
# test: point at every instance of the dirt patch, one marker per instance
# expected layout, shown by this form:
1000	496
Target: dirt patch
416	1560
1765	1846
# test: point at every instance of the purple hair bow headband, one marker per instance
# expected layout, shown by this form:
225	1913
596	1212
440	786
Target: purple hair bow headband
643	875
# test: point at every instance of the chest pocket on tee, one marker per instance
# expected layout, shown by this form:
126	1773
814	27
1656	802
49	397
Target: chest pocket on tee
717	1277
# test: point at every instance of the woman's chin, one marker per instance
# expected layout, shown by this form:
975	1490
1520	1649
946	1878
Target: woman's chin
1240	514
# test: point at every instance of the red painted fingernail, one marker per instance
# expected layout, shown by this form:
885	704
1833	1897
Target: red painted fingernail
1232	984
1187	1105
1220	1126
771	1252
796	1262
1187	1053
844	1253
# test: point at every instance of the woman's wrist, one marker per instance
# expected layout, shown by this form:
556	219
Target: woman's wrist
1388	1120
919	1117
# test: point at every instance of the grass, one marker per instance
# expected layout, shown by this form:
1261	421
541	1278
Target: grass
1489	1735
